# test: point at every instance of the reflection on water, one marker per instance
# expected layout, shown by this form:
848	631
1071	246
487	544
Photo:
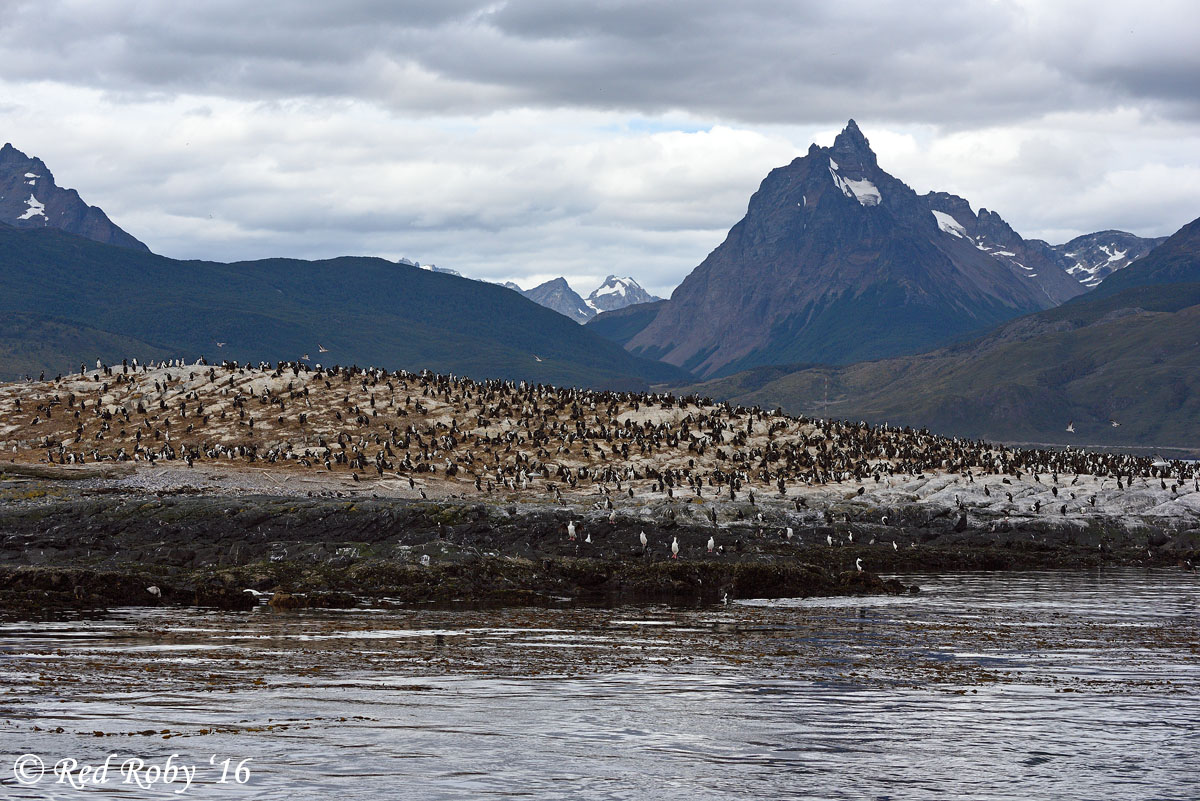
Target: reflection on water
1036	685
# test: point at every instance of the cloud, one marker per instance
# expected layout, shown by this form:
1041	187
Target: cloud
760	61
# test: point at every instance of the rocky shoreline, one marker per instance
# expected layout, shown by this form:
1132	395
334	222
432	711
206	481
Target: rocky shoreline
96	541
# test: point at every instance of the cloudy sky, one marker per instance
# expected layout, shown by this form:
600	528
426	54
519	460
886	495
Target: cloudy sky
523	140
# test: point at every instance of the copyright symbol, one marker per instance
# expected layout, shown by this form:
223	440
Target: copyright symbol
29	769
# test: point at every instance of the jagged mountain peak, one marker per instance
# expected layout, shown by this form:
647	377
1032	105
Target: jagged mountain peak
617	293
556	294
853	147
835	261
30	198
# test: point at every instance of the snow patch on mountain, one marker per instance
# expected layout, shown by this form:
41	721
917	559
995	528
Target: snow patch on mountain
865	192
36	207
952	226
1117	256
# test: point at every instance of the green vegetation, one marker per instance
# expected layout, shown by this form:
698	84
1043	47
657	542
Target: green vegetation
1133	358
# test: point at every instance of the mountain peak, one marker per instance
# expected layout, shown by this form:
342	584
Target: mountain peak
30	198
557	294
616	293
851	142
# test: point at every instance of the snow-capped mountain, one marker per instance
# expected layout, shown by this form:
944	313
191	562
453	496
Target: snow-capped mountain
1093	257
614	293
29	198
617	293
1032	260
837	261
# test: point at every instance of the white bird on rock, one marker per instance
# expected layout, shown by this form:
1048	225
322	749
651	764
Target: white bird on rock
674	547
858	564
571	530
712	543
643	540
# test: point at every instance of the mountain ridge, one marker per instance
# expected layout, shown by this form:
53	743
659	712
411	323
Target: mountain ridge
30	198
363	310
613	293
1117	365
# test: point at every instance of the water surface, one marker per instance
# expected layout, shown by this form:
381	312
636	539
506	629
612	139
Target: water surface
1034	685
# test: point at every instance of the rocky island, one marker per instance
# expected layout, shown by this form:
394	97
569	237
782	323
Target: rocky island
229	485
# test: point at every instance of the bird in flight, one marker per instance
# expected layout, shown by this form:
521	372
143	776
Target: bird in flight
304	358
1114	423
536	358
321	348
220	344
1071	427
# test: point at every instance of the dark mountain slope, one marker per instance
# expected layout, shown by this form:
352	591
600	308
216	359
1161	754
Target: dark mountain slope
29	198
363	310
988	232
621	325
